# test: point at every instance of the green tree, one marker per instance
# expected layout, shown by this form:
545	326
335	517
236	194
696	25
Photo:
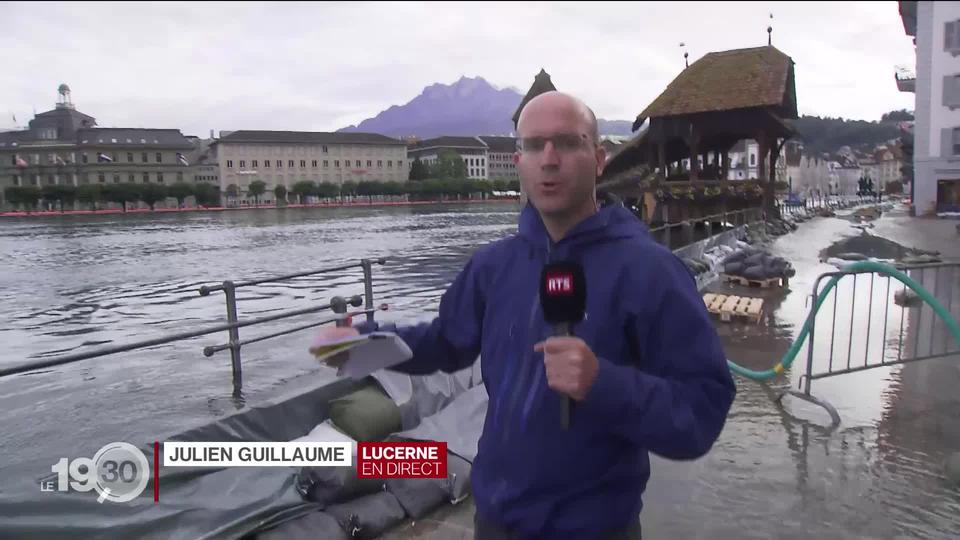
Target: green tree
280	193
121	193
255	190
151	194
419	170
61	193
232	191
23	196
304	189
348	188
207	194
90	194
328	190
180	191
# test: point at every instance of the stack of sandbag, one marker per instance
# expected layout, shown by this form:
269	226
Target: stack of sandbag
755	264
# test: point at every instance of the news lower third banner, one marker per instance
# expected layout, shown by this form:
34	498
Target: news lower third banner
408	459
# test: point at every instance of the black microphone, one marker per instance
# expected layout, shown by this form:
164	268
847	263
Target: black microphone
563	298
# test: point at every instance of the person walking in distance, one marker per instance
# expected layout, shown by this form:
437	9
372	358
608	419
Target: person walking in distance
644	370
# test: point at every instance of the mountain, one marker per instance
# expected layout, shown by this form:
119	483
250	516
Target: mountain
470	106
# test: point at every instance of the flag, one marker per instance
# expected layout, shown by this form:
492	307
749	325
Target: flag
60	160
182	159
101	157
20	162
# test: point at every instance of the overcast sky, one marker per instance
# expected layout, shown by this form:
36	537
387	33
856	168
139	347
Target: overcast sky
322	66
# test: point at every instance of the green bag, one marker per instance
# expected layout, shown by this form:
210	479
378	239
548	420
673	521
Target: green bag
366	414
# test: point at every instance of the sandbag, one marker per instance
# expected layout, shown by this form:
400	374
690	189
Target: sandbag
368	516
418	496
733	269
736	257
754	259
333	485
754	272
366	414
313	526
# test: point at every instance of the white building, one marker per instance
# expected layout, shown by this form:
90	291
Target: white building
472	150
287	157
935	27
744	165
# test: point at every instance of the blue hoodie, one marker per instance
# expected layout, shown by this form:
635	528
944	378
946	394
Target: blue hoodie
663	384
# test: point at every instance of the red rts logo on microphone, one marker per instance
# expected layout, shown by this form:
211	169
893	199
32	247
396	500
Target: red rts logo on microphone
560	283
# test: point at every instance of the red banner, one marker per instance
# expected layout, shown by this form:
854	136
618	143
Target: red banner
401	459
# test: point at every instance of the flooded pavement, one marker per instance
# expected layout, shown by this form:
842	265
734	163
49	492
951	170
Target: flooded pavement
782	472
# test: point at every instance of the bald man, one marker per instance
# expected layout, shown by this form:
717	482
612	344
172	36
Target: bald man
645	372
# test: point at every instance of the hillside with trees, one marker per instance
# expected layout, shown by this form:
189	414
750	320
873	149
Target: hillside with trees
828	134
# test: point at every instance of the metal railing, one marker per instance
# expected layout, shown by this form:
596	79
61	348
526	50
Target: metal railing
878	325
337	304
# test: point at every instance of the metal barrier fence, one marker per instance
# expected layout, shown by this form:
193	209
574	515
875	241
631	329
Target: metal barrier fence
872	320
337	304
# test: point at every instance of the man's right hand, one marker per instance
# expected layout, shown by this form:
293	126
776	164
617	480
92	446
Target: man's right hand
333	333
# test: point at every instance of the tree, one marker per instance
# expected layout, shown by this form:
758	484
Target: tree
280	193
90	194
151	194
207	195
327	190
304	189
255	190
61	193
419	170
180	191
901	115
348	188
450	165
25	196
232	191
121	193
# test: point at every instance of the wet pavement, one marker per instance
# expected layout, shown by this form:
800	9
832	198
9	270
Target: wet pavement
783	471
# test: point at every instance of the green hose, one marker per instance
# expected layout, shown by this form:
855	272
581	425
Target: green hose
872	266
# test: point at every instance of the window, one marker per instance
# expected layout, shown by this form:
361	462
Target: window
357	162
324	149
130	178
400	163
336	163
50	179
314	164
290	163
36	179
229	163
380	163
254	164
159	177
369	163
951	37
179	177
279	163
129	157
390	164
303	164
146	178
85	177
143	157
83	158
266	163
159	157
753	159
951	91
326	163
956	141
16	179
116	179
101	178
243	164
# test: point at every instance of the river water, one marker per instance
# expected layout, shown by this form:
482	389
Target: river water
73	283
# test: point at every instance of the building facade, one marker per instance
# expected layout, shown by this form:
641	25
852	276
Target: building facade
935	27
283	158
500	152
64	147
472	150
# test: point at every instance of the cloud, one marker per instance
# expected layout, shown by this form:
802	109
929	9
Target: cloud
322	66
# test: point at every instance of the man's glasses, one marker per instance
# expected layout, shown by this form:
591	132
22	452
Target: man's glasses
564	142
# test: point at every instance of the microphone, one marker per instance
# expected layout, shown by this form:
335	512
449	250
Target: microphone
563	298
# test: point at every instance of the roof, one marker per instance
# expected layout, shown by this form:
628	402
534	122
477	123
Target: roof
126	137
908	13
308	137
8	137
729	80
502	145
451	142
541	85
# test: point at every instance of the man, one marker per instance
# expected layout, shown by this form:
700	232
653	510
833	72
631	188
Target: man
646	371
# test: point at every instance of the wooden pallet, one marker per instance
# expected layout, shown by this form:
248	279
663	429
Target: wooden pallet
762	283
730	306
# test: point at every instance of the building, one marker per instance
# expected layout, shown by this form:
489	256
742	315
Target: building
935	27
500	152
65	147
203	164
283	158
744	165
472	150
